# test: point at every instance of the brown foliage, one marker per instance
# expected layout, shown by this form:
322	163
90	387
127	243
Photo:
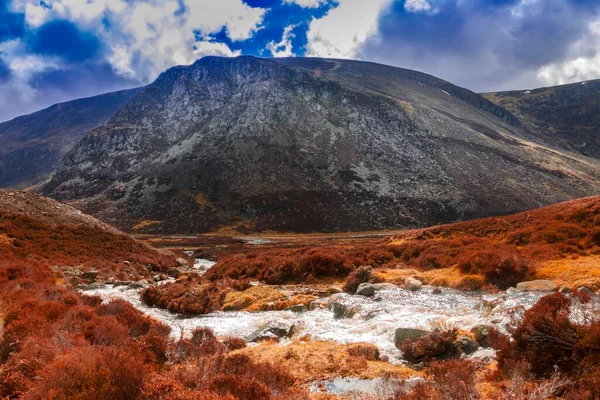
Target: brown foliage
360	275
438	345
367	351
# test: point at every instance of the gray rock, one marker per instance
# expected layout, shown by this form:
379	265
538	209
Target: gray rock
93	286
540	285
413	284
585	290
271	330
174	272
121	283
298	308
140	284
412	334
182	263
365	289
467	345
90	275
436	290
384	286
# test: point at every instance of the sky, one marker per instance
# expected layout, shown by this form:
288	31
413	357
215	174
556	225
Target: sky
57	50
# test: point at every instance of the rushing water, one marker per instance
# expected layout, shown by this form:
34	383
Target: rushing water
375	319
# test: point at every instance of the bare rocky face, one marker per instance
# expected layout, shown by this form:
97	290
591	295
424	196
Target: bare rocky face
311	145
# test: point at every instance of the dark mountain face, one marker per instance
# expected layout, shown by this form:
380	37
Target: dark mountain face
31	146
310	145
568	115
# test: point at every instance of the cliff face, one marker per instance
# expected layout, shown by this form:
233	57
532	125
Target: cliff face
310	145
567	115
31	146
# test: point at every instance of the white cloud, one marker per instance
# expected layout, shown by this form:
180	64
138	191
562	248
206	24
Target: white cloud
342	32
417	5
306	3
582	64
283	48
146	37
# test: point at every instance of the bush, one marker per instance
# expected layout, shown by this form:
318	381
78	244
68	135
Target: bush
500	268
438	345
360	275
367	351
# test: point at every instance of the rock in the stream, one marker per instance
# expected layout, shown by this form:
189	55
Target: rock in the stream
412	334
436	290
467	345
322	302
585	290
564	290
340	310
90	275
540	285
384	286
93	286
139	284
298	308
182	263
413	284
271	330
365	289
174	272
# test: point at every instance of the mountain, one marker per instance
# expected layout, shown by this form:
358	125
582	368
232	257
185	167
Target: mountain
41	231
568	115
31	146
310	145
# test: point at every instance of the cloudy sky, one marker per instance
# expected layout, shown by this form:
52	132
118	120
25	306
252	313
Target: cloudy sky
57	50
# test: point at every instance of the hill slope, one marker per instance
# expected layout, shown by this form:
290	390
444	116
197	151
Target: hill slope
310	145
38	230
31	146
568	115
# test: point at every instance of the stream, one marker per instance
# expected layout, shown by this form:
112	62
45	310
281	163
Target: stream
374	319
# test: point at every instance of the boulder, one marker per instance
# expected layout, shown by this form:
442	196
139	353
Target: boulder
585	290
365	289
412	334
339	308
93	286
182	263
467	345
413	284
90	275
298	308
540	285
564	290
174	272
436	290
384	286
139	284
271	330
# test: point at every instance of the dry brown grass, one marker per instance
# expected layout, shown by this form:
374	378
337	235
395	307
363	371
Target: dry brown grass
583	271
313	361
444	277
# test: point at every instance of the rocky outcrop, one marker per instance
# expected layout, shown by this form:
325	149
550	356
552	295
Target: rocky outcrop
31	146
310	145
413	284
537	286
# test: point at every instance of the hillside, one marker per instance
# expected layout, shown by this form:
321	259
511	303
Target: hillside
568	115
31	146
310	145
40	231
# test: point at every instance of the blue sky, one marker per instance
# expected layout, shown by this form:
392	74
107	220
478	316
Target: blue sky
57	50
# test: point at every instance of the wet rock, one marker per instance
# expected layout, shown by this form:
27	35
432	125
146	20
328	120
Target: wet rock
182	263
340	308
412	334
139	284
174	272
512	291
467	345
365	289
564	290
156	278
90	275
481	334
319	303
436	290
540	285
271	330
121	283
585	290
413	284
93	286
298	308
335	290
384	286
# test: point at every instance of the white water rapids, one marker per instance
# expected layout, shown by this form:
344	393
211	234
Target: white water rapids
375	321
